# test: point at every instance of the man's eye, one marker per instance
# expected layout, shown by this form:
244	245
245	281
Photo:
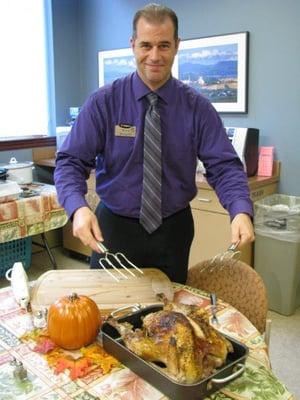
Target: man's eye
164	46
145	46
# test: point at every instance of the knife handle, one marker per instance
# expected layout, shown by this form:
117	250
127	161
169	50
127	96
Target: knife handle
213	299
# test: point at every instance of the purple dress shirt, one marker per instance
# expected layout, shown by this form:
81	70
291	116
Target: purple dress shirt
108	135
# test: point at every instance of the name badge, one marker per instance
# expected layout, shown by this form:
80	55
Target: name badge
125	130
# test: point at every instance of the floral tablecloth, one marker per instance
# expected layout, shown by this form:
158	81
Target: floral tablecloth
257	382
28	216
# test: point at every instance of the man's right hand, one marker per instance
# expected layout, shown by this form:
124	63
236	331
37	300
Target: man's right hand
86	228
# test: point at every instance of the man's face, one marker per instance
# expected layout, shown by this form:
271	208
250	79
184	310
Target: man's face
154	49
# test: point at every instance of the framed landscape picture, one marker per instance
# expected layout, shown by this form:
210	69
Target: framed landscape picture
115	64
217	66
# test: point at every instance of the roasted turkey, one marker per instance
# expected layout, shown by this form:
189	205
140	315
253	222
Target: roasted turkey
180	337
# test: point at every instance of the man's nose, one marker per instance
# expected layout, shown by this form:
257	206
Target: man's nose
154	54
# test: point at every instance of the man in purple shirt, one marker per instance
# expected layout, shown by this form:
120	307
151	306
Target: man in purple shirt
109	135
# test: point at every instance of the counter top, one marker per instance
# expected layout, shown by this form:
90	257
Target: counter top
253	181
46	162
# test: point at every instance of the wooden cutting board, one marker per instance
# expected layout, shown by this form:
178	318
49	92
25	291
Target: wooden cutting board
101	287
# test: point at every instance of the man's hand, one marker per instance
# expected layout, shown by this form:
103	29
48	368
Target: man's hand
86	228
242	231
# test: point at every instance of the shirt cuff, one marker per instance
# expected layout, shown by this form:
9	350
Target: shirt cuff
74	202
241	206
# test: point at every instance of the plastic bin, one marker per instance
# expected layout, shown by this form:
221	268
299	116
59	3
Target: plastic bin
13	251
277	250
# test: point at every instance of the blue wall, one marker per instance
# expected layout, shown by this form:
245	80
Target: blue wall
274	62
66	42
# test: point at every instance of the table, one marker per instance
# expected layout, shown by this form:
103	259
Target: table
28	216
258	381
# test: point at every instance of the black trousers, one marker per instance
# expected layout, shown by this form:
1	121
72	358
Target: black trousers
166	249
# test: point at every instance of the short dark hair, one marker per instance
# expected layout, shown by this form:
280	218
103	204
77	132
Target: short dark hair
155	13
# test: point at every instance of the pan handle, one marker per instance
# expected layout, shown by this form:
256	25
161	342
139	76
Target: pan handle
230	377
122	310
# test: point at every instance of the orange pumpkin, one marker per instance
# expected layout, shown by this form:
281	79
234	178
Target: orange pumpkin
73	321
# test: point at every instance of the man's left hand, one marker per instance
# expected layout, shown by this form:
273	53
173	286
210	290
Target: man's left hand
242	231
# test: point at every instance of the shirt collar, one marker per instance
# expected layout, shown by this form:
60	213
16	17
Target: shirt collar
141	90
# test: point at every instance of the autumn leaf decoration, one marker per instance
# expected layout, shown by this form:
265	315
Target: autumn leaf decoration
44	345
91	358
78	368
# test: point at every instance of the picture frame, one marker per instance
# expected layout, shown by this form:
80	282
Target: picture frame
217	66
115	64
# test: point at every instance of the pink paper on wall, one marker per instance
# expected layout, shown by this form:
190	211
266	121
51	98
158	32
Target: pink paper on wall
265	161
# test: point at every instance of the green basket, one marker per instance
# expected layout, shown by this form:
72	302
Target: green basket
15	251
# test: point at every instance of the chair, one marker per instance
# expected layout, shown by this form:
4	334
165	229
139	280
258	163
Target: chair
237	284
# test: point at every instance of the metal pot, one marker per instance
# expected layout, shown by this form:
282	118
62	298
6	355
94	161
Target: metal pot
20	172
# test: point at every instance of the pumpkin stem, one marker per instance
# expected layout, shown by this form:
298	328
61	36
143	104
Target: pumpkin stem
73	297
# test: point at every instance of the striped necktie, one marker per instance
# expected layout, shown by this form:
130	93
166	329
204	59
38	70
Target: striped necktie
150	214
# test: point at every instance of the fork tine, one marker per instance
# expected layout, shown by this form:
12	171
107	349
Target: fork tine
234	254
117	255
231	253
206	265
117	258
130	263
112	264
106	258
214	264
107	270
219	259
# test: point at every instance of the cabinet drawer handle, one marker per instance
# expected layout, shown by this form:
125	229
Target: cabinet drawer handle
204	199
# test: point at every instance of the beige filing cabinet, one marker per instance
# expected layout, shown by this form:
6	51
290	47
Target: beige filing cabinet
212	222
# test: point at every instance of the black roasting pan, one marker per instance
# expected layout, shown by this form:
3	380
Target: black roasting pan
114	345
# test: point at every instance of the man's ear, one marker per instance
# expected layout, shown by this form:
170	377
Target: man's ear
177	44
132	42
